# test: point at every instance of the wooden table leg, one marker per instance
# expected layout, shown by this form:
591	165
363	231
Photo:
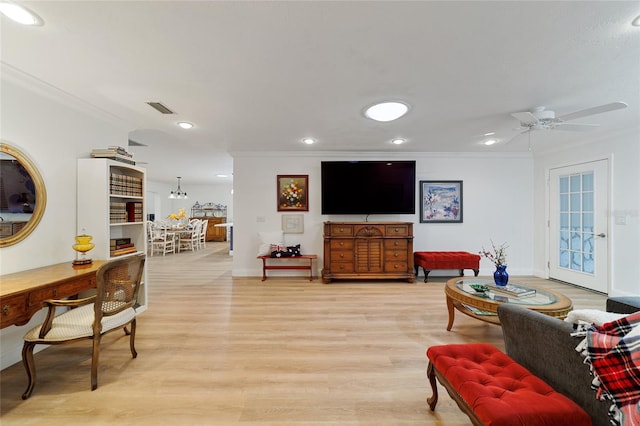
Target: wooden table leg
310	269
451	310
264	269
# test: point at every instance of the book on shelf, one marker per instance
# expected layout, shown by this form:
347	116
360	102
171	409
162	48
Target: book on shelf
513	290
120	252
122	246
119	241
113	154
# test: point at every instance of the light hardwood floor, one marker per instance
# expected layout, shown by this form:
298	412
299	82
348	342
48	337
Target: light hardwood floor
217	350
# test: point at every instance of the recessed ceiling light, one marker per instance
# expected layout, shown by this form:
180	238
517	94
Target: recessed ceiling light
309	141
398	141
490	142
636	22
386	111
490	133
185	124
222	175
20	14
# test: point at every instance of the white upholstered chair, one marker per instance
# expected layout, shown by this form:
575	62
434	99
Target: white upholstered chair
111	308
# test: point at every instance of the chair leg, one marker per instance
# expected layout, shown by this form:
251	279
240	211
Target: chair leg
29	365
132	339
94	361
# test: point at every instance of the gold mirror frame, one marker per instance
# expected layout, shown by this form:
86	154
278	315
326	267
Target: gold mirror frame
41	195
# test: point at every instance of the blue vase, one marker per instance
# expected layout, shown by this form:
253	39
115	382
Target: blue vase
500	276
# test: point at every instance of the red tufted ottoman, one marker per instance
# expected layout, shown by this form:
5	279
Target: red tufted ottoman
492	389
461	260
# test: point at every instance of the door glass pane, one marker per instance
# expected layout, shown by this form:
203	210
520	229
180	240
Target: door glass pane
576	219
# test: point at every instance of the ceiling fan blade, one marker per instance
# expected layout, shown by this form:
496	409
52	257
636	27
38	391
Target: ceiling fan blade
592	111
575	127
525	117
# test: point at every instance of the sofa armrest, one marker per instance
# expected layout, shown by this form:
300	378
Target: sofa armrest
544	345
623	305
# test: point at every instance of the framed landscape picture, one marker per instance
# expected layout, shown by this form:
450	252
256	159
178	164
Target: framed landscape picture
292	193
441	201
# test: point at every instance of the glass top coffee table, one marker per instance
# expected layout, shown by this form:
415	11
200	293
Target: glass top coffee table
483	305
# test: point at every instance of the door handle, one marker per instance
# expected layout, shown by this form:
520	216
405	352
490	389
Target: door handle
601	235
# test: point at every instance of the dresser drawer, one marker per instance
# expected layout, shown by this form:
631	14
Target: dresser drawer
341	267
12	308
400	230
341	230
341	244
395	255
395	244
341	256
395	266
61	291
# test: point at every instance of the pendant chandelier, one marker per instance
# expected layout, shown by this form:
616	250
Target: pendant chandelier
178	193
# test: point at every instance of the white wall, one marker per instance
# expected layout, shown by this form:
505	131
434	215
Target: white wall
623	150
162	206
53	130
497	203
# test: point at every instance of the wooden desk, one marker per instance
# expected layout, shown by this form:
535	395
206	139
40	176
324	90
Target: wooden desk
22	293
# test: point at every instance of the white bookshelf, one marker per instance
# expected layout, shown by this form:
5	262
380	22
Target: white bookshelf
105	189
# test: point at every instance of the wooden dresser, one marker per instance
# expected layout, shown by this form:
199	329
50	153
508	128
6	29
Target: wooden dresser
22	293
368	250
214	233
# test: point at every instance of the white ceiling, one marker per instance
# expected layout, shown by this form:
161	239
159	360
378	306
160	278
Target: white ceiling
259	76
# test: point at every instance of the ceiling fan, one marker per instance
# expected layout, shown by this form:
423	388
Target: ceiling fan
543	119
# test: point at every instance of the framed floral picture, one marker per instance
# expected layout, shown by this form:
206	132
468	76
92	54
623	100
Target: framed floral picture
441	201
293	193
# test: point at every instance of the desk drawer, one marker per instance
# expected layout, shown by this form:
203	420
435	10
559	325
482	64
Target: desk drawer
395	267
12	308
69	288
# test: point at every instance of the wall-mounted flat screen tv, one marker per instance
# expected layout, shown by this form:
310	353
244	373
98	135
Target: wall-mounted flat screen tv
368	187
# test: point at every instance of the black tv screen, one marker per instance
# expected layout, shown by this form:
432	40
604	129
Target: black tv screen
368	187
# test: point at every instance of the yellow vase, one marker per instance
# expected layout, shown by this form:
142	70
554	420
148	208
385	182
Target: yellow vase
83	243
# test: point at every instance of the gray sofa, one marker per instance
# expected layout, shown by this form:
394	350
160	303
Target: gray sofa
544	346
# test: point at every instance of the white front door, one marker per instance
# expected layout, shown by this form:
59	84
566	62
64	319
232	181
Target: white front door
578	234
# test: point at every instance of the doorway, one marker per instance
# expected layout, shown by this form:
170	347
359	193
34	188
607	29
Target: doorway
578	227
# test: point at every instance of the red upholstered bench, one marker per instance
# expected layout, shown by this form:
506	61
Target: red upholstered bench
460	260
492	389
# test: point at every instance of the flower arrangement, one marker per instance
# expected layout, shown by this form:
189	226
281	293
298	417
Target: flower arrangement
180	215
498	254
292	195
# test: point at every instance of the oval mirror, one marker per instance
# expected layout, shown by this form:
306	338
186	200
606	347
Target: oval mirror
22	195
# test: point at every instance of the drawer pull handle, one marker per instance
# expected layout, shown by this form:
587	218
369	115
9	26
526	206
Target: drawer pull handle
342	255
5	309
396	254
55	292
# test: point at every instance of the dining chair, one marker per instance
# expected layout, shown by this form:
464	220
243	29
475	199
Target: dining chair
162	240
202	240
189	240
111	307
